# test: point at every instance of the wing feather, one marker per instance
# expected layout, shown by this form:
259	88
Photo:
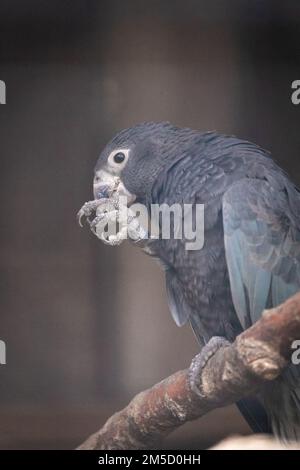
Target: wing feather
262	245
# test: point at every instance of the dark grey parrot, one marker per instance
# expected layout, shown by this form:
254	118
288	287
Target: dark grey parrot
251	254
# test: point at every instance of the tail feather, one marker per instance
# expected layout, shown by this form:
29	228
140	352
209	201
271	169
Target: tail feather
282	401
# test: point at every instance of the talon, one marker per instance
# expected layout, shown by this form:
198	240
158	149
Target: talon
103	218
87	209
95	222
79	216
200	361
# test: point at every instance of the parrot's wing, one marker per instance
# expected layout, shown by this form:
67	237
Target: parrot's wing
178	307
262	244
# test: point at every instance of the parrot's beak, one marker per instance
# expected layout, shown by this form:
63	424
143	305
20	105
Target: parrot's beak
102	191
106	185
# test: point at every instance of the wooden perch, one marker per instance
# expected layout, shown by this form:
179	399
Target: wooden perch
257	356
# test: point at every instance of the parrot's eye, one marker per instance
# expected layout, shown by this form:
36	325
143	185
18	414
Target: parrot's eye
119	157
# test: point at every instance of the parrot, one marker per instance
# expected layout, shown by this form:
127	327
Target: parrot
250	258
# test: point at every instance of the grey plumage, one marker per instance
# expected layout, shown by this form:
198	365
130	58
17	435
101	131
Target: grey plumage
251	254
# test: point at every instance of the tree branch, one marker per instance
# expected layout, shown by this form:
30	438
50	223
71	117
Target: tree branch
257	356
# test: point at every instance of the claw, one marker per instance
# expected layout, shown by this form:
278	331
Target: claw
95	222
88	208
79	216
103	217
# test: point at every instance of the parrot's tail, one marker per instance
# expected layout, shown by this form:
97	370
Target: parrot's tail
282	402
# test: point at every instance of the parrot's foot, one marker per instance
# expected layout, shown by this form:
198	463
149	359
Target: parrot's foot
128	226
200	361
87	210
113	222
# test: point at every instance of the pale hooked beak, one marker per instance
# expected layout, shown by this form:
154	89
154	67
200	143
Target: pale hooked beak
102	191
105	185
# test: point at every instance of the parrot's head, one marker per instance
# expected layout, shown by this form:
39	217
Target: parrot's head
136	157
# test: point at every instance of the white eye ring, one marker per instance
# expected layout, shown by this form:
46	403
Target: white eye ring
118	158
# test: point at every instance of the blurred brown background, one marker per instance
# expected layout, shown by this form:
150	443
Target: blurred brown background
87	326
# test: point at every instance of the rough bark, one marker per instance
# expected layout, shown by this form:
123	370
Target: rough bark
257	356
